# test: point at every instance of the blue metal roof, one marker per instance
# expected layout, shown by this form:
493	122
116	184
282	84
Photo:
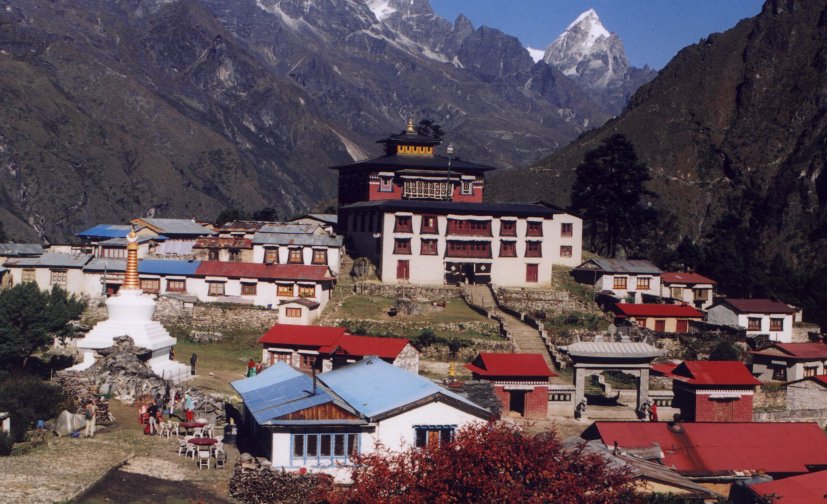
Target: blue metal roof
373	387
106	231
278	372
167	267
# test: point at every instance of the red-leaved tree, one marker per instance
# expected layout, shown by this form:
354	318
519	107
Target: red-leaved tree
486	463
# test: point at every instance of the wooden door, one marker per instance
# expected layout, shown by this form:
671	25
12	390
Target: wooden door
683	326
403	271
531	273
660	326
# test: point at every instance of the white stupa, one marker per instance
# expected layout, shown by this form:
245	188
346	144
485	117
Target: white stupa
130	314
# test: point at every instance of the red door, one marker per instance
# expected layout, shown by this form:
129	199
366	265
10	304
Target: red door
403	271
683	326
660	326
531	273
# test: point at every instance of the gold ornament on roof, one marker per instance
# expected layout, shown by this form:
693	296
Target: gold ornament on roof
131	281
410	128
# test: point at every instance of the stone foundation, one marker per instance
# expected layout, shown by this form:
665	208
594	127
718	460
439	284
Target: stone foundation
424	293
551	302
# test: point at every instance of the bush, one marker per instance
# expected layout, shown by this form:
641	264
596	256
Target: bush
5	444
427	338
725	351
28	399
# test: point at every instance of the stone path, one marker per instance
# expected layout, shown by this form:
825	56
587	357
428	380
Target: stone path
526	339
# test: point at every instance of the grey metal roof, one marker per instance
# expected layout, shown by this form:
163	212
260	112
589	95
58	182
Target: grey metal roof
325	217
178	226
20	249
288	228
301	301
615	349
632	266
51	260
263	238
108	264
122	242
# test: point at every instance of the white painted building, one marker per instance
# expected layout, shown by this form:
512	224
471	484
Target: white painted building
629	280
52	268
433	242
295	248
690	288
756	316
355	408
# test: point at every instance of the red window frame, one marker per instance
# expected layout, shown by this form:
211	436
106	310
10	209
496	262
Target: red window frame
532	273
403	224
508	248
428	246
534	228
534	249
173	285
295	256
429	225
566	230
402	246
475	249
469	227
566	251
508	228
248	289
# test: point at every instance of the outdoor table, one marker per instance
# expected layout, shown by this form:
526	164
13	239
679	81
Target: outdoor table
191	425
203	441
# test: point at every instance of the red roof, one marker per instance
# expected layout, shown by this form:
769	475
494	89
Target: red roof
686	278
497	364
822	379
804	351
721	447
362	346
328	339
714	373
758	306
664	368
657	310
289	334
809	488
263	271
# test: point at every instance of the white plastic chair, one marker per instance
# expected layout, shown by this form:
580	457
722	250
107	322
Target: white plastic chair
203	459
182	447
220	458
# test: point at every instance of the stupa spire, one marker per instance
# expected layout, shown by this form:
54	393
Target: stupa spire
130	279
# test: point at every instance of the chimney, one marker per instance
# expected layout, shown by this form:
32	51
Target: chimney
314	380
676	426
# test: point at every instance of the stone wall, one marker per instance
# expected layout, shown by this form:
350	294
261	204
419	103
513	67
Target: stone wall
804	415
806	394
422	293
183	310
548	301
770	398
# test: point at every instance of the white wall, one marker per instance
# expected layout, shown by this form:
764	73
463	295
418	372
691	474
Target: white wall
265	291
334	255
688	293
724	315
606	282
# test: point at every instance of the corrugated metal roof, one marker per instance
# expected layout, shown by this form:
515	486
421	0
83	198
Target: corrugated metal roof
374	387
630	266
175	226
714	373
814	351
757	306
20	249
263	238
498	364
710	448
51	260
105	264
686	278
122	242
810	488
106	231
223	242
325	217
288	228
507	209
276	373
176	247
168	267
617	349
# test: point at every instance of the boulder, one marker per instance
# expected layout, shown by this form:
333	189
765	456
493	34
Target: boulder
67	423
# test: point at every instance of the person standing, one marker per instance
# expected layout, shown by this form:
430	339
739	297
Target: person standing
152	411
189	405
193	361
91	414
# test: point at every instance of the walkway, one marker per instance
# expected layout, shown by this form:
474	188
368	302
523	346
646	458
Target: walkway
526	339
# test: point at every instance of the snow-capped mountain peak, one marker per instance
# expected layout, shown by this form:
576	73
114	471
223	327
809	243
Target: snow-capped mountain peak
381	8
536	54
589	23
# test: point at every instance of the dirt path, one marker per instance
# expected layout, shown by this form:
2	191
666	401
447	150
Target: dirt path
69	467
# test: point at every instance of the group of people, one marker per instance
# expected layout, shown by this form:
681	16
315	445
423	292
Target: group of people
253	368
152	412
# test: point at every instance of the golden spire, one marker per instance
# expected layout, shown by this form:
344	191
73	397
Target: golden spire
130	279
410	128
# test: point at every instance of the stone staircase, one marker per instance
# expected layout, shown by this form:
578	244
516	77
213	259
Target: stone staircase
525	338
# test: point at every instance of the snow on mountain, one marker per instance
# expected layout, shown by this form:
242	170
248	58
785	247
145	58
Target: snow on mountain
589	53
381	8
536	54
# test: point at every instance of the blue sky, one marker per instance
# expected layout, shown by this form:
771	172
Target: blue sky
652	31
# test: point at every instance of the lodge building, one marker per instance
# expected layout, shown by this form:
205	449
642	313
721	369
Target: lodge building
421	219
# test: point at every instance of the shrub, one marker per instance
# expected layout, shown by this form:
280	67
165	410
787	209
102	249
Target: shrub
5	444
28	399
725	351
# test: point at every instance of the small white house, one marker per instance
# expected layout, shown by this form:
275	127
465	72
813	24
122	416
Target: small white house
52	268
790	361
297	248
757	316
630	280
320	424
689	288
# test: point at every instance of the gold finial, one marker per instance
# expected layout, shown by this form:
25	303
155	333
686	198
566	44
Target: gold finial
452	370
130	279
410	128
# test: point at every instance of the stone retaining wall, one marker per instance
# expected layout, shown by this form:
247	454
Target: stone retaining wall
770	398
423	293
552	302
808	415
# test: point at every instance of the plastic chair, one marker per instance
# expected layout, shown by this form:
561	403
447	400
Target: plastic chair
220	459
203	459
198	432
182	447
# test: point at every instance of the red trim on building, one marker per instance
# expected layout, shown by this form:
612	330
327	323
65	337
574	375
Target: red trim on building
657	310
685	278
264	271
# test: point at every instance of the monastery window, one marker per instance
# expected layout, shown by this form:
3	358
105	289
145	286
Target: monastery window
429	225
467	187
28	275
248	289
433	436
215	288
779	373
315	449
469	227
293	312
468	249
284	290
533	249
306	361
294	256
566	230
810	371
641	322
701	294
508	248
151	285
271	256
535	228
319	256
643	283
754	324
403	224
508	228
425	189
307	291
235	255
619	283
565	251
212	254
176	285
58	277
776	324
402	246
428	247
385	184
